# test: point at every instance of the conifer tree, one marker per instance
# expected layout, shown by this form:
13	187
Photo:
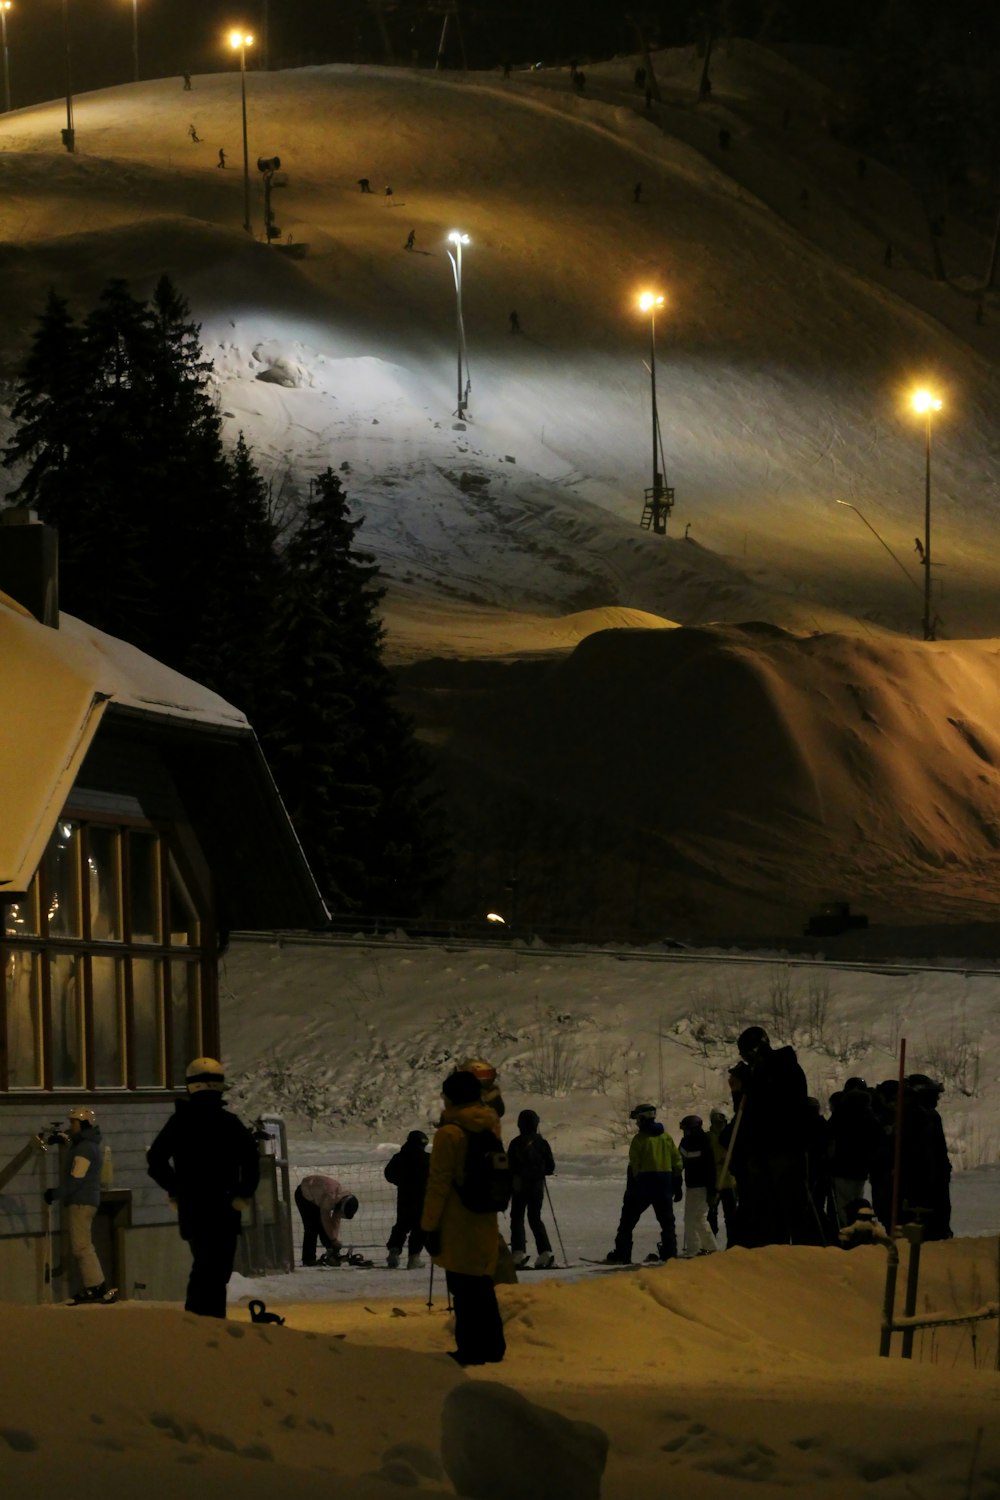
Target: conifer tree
344	757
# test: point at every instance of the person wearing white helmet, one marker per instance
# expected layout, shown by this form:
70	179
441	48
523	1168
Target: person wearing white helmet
80	1194
207	1163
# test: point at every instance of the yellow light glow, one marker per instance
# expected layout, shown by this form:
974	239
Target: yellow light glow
240	39
924	401
649	300
458	238
494	916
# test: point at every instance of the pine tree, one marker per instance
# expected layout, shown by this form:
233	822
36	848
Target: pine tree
344	757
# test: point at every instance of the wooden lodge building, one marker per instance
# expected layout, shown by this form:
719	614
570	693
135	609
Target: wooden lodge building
139	824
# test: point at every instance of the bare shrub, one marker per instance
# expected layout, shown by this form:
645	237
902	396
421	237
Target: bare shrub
817	1007
553	1064
786	1011
954	1061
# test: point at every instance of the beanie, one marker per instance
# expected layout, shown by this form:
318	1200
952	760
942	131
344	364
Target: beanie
527	1122
416	1138
462	1088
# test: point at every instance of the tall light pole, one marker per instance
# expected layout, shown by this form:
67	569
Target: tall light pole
458	239
135	39
649	302
68	135
925	404
4	8
240	41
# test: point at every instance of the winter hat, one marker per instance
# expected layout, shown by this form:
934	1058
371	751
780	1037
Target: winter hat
921	1084
483	1070
643	1112
527	1122
348	1206
691	1122
750	1042
462	1088
855	1083
416	1138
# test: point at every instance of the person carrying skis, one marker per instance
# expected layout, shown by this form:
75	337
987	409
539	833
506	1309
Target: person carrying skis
207	1163
80	1194
407	1171
531	1161
463	1241
654	1180
699	1185
322	1204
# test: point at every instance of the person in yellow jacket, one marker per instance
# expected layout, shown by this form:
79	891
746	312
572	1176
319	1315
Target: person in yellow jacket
464	1243
654	1180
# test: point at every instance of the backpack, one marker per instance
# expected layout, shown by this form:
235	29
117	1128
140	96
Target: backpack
486	1183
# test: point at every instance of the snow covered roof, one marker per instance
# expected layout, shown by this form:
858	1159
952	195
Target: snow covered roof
56	688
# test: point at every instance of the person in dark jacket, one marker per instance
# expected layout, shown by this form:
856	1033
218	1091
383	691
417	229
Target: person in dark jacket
80	1194
531	1161
699	1186
911	1195
769	1157
407	1171
854	1144
206	1161
937	1222
654	1180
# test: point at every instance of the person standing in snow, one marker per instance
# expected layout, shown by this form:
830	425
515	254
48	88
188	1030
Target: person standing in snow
854	1143
322	1204
407	1171
531	1161
222	158
769	1152
726	1191
410	240
699	1186
654	1180
464	1242
206	1161
187	82
80	1194
364	184
926	1093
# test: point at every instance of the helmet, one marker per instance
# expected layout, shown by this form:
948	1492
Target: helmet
691	1122
205	1073
921	1084
416	1138
83	1114
719	1117
643	1112
484	1071
349	1206
751	1041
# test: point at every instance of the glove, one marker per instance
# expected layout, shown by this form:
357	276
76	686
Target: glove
678	1190
241	1204
432	1241
50	1195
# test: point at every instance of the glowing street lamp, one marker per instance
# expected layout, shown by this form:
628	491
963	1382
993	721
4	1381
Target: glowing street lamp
657	499
240	41
135	39
925	404
4	8
458	239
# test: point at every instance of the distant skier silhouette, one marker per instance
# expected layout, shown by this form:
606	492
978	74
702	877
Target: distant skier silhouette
193	133
918	548
515	323
637	193
388	196
410	238
222	158
364	184
187	82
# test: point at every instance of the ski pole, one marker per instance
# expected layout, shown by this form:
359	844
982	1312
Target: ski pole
732	1139
555	1221
430	1289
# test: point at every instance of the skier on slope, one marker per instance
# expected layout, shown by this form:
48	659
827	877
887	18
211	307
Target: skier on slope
407	1171
699	1186
80	1194
531	1161
654	1180
322	1204
206	1161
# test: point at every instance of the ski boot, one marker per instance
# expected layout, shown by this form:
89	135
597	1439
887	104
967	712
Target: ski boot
330	1259
521	1260
544	1261
414	1263
392	1259
617	1258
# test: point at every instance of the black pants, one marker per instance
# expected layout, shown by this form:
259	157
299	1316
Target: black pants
727	1199
407	1224
640	1195
528	1198
312	1229
776	1207
213	1250
479	1336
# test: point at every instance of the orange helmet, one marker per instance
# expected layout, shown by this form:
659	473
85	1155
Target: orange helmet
484	1071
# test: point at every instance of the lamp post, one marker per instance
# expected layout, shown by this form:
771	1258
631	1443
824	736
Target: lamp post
68	135
649	302
135	39
925	403
458	239
4	8
240	41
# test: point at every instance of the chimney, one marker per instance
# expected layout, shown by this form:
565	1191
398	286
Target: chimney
29	563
